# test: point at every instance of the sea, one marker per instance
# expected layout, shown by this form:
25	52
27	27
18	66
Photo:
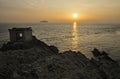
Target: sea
72	36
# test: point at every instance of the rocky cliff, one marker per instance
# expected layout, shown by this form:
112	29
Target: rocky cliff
37	60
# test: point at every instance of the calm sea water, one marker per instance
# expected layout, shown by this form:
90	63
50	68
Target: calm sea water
73	36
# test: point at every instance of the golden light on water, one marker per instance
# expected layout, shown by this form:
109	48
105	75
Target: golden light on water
74	26
75	36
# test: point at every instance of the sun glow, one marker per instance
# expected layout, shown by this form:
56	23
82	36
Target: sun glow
75	15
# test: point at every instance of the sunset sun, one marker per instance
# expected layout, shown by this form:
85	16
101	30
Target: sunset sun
75	15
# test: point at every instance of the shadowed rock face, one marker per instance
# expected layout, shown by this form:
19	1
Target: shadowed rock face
40	61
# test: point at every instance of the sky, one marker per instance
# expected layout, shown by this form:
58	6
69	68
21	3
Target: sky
59	10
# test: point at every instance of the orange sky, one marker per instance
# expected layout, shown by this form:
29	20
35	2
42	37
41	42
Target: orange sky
59	10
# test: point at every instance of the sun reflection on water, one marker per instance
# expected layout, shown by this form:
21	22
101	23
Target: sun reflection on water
75	37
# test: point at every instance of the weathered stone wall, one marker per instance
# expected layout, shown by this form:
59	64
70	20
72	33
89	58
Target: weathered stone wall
12	36
27	35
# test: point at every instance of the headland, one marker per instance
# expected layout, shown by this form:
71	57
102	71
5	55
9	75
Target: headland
26	57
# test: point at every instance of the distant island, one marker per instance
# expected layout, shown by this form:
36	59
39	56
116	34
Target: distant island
44	21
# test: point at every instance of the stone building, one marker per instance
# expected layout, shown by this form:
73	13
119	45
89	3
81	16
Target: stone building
20	34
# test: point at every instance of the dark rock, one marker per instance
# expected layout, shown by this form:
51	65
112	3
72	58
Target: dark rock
96	52
107	65
54	49
37	60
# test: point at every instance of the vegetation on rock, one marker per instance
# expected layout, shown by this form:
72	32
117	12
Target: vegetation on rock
40	61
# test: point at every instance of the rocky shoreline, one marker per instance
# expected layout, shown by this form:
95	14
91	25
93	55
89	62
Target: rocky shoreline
37	60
